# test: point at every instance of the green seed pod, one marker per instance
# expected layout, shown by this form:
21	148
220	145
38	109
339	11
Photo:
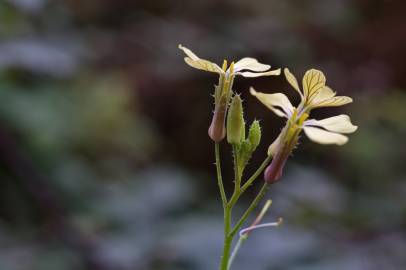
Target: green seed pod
254	135
235	122
245	154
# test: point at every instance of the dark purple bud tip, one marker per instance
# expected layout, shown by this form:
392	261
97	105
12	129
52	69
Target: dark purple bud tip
217	129
274	171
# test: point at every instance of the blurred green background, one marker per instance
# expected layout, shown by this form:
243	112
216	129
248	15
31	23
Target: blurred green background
105	161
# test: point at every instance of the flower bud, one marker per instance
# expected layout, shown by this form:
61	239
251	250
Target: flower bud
235	122
274	171
254	135
217	129
280	149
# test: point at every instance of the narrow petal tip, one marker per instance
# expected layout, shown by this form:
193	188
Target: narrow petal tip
277	72
252	91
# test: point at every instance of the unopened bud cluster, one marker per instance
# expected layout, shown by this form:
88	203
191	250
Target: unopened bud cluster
236	135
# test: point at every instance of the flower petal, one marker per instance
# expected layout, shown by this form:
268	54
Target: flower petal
275	145
203	65
278	103
324	137
313	81
292	80
322	95
340	124
259	74
333	102
188	52
194	61
252	64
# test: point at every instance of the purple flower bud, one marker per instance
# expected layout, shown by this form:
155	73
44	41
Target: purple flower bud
217	129
274	171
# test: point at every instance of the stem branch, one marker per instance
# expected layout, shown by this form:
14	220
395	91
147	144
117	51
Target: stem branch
229	231
254	203
256	174
219	176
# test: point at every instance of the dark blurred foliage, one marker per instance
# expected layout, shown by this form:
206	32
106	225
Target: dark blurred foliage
105	162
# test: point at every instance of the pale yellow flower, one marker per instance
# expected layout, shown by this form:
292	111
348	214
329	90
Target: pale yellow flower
315	94
247	67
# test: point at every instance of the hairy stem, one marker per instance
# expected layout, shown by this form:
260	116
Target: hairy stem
237	173
227	239
250	181
229	231
219	175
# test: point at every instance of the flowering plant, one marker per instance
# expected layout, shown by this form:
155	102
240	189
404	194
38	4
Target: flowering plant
228	120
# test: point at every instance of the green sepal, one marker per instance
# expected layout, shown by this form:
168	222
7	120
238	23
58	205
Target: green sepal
217	94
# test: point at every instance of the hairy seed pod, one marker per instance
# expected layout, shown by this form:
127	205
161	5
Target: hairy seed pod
235	122
254	135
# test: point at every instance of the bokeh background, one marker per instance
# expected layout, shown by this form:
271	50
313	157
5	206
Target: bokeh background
105	161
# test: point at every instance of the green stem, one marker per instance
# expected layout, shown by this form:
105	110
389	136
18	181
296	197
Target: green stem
219	176
256	174
229	232
227	213
244	236
227	238
237	174
249	182
237	180
254	203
